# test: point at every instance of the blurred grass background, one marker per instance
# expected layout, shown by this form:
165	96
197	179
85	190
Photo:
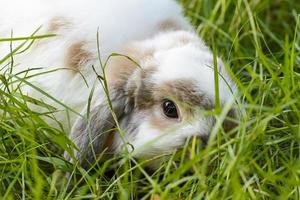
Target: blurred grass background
260	41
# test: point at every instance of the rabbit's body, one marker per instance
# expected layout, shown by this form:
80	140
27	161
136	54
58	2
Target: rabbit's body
175	65
76	22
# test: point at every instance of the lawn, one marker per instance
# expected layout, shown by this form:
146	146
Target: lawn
259	43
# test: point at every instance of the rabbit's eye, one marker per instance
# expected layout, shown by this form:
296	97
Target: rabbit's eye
170	109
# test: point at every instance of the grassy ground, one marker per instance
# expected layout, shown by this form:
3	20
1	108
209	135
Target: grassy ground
260	41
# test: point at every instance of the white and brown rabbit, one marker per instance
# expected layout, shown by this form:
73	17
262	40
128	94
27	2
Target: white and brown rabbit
157	104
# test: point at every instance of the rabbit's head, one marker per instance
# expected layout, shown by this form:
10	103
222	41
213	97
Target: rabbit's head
159	104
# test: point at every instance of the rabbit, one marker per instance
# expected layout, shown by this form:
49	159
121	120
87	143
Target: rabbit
157	90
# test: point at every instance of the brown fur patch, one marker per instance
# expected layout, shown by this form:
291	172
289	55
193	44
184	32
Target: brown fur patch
54	26
183	91
58	23
77	55
144	97
121	67
109	141
169	24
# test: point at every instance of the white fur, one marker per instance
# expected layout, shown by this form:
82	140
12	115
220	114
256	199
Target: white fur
119	22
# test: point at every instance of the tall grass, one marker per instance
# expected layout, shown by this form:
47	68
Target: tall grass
258	41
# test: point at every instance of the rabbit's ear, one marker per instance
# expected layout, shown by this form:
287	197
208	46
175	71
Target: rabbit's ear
90	135
125	80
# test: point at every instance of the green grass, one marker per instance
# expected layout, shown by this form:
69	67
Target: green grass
259	42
